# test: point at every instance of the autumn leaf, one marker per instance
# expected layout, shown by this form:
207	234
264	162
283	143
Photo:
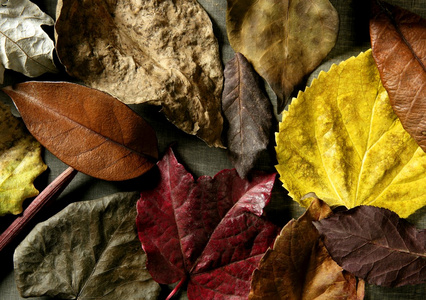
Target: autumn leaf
249	113
299	266
20	163
87	129
375	244
283	40
155	52
208	233
25	47
397	40
90	250
341	140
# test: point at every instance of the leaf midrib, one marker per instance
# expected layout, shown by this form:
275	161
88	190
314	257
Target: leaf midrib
55	112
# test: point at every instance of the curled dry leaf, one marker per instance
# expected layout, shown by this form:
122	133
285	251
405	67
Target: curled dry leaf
249	113
20	163
90	250
375	244
87	129
208	233
156	52
299	266
24	46
342	140
397	40
284	40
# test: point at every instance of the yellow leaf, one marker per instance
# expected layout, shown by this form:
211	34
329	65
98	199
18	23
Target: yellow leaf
20	163
341	140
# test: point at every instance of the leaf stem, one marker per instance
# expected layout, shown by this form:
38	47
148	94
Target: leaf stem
51	192
177	288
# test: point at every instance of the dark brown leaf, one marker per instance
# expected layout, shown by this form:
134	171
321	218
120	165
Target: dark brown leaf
398	42
376	245
87	129
299	266
90	250
249	113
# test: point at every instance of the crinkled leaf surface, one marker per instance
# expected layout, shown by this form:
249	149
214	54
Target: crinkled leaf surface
299	266
90	250
20	163
157	52
249	113
375	244
24	46
341	140
208	232
398	42
284	40
87	129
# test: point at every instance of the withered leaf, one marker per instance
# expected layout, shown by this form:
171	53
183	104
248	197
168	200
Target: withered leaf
20	163
299	266
376	245
209	233
249	113
397	39
90	250
25	47
284	40
156	52
87	129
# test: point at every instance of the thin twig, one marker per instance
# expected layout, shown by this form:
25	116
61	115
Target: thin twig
51	192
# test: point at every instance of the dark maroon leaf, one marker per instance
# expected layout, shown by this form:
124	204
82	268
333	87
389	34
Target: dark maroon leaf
209	233
398	43
249	114
376	245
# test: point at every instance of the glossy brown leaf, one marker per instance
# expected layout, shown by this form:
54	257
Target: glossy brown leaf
299	266
398	42
87	129
156	52
90	250
375	244
249	113
284	40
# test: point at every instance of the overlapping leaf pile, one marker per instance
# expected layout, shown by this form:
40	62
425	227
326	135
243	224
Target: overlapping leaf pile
340	139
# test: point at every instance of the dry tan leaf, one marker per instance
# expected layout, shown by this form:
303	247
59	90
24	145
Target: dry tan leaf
157	52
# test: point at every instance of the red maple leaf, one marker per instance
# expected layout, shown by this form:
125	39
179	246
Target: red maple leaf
209	233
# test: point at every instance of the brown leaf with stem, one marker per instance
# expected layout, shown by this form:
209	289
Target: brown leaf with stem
87	129
397	40
299	266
